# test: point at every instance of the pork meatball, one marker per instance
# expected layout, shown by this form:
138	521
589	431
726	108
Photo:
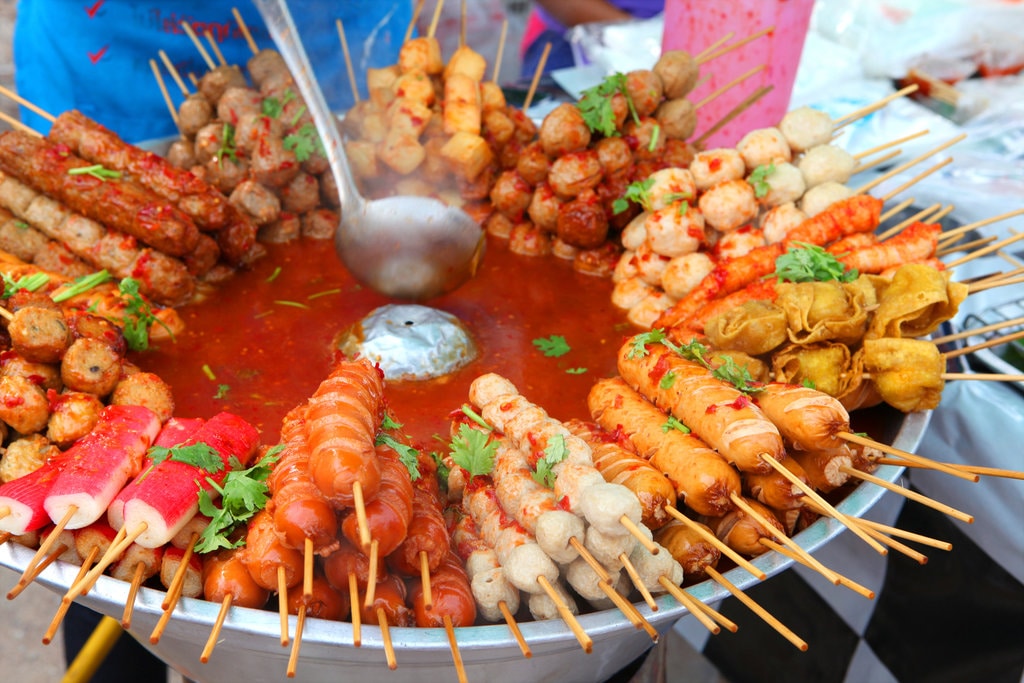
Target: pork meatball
785	183
256	201
716	166
499	225
729	205
764	146
582	222
563	131
320	224
650	264
826	163
573	173
527	239
778	221
646	312
543	209
805	128
145	389
739	242
25	455
302	194
685	272
73	415
678	72
182	154
46	375
635	234
215	82
645	89
675	229
670	185
237	101
40	335
614	155
533	164
90	366
678	118
819	198
629	292
23	405
194	113
511	195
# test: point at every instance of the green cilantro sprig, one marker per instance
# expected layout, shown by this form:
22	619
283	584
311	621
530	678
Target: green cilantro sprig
227	145
674	423
575	371
407	455
811	263
81	285
638	347
596	105
554	453
271	106
304	142
638	191
442	470
138	316
476	417
727	370
473	451
96	171
758	179
653	144
27	282
243	493
554	346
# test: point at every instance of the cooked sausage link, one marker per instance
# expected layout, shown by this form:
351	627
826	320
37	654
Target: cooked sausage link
389	513
264	554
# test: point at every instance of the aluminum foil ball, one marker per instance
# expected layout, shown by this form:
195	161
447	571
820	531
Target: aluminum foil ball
410	341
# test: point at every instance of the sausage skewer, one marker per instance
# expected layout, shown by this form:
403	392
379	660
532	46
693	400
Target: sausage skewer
174	590
757	609
307	594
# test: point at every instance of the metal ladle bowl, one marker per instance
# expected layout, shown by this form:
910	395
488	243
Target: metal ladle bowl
406	247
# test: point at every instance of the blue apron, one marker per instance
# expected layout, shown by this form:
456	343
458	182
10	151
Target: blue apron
93	55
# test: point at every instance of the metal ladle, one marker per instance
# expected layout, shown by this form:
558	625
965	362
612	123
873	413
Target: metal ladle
406	247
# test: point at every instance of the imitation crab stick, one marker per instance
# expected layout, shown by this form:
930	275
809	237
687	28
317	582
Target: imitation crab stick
23	497
165	498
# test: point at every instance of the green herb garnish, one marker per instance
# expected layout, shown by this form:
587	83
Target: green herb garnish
227	146
640	342
27	282
553	346
473	451
637	191
138	316
653	144
81	285
673	423
575	371
667	380
273	276
96	171
271	107
222	391
304	142
810	263
476	417
407	455
808	384
758	179
243	494
554	453
200	455
737	375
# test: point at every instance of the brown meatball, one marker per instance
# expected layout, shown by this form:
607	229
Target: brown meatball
271	164
499	225
573	173
74	414
544	208
678	118
329	194
90	366
226	173
40	335
533	164
645	138
257	201
497	128
45	375
645	89
511	195
563	131
209	141
213	83
320	224
582	223
477	189
678	72
302	194
84	324
527	239
264	64
614	155
237	101
194	113
23	405
620	109
599	262
145	389
182	154
26	455
286	228
526	129
678	154
252	127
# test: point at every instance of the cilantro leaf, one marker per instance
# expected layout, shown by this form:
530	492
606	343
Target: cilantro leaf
473	451
271	107
200	455
389	423
553	346
407	455
737	375
222	391
227	145
243	494
811	263
673	423
808	383
758	179
554	453
442	469
304	142
637	191
640	342
667	380
138	316
596	104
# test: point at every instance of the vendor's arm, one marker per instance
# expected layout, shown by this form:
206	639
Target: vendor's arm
572	12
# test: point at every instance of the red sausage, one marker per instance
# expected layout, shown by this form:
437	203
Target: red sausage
451	594
348	559
427	533
324	603
224	573
389	514
264	553
389	595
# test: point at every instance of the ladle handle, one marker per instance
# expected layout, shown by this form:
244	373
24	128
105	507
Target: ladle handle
282	29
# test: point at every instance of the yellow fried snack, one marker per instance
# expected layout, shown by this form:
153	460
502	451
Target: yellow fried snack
858	392
907	372
825	365
916	302
754	327
823	311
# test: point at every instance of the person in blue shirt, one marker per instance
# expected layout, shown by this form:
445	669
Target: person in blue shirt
94	55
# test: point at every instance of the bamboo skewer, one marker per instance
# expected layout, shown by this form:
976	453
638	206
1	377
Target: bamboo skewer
428	597
116	549
385	631
892	143
48	542
738	44
733	113
859	168
23	127
536	76
909	535
210	64
353	598
501	51
984	376
754	607
215	48
973	469
179	576
174	73
163	90
695	606
977	331
192	79
348	60
133	592
925	462
996	341
945	211
905	223
460	669
898	546
629	610
980	287
811	494
907	493
652	547
908	164
873	107
10	94
918	178
844	581
293	656
995	246
829	575
634	576
728	86
980	224
714	46
585	641
282	603
65	606
715	541
896	209
371	581
510	619
589	558
360	507
218	624
245	30
432	31
40	568
412	22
